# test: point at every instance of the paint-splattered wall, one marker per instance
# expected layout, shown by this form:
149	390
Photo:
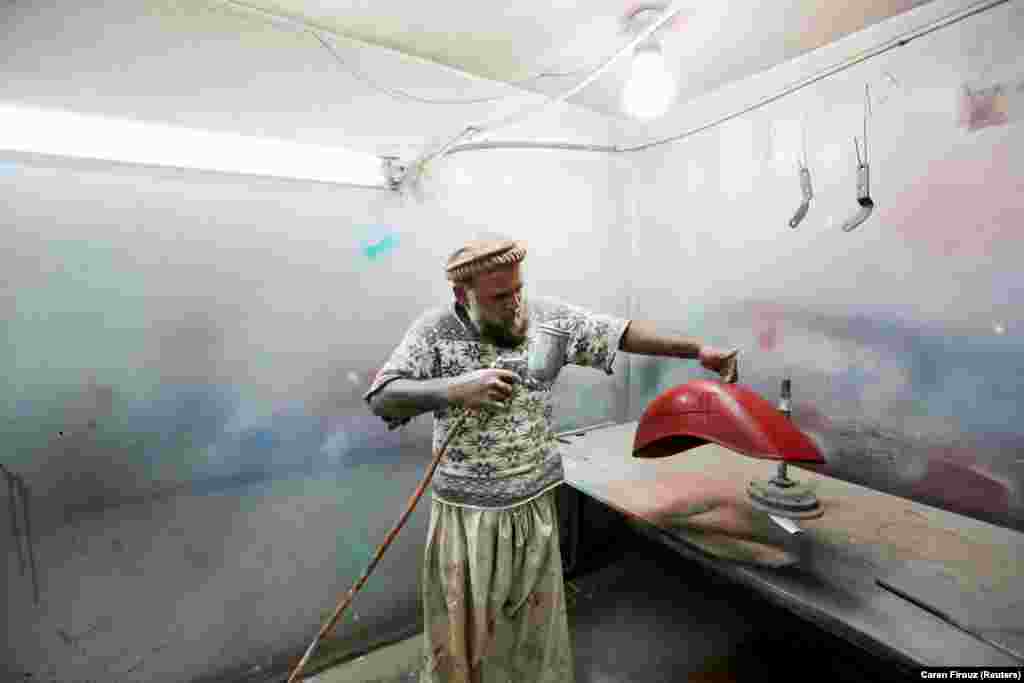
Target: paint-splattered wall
183	369
194	477
903	337
183	356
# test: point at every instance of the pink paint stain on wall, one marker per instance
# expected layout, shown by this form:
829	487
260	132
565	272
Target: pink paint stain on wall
983	108
810	417
964	205
955	479
767	323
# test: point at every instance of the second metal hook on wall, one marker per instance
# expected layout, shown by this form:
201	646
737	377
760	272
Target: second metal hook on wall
867	205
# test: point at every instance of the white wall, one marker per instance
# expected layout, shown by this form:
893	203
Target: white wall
900	337
219	484
184	354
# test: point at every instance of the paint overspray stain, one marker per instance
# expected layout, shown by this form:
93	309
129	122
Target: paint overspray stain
767	318
983	107
960	206
955	478
8	168
376	248
653	375
809	417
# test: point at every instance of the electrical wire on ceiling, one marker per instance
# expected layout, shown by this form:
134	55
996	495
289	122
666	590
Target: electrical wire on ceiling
411	175
900	41
300	26
402	95
453	146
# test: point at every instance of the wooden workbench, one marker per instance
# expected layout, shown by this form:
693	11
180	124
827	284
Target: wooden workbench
696	503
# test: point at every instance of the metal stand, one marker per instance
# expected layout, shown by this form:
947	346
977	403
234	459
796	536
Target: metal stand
784	497
781	495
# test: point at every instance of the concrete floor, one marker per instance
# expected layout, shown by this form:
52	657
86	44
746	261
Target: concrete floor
652	616
392	664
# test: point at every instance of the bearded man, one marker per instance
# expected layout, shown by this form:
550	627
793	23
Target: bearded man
492	586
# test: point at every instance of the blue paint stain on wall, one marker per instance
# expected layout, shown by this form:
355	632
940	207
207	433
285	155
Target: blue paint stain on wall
8	168
196	409
849	384
198	435
259	442
376	240
380	247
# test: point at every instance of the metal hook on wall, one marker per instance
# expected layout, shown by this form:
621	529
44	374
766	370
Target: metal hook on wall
867	205
805	180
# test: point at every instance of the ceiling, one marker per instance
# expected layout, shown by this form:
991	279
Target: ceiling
709	45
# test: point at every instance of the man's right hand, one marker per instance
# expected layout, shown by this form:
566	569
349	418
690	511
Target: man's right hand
482	388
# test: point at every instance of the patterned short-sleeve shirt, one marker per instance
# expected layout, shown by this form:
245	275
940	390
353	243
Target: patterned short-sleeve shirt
506	457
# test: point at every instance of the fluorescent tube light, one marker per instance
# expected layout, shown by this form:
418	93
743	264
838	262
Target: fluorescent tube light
87	136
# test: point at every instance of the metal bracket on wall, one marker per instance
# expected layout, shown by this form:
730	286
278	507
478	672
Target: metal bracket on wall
867	205
804	171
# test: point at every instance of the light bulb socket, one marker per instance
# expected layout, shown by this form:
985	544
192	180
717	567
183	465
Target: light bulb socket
644	15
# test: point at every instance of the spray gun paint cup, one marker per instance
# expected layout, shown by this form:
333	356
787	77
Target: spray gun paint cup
547	353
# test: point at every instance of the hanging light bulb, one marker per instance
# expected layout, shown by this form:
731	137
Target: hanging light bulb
651	88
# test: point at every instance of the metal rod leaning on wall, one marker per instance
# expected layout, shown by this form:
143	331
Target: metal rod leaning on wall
329	626
16	486
12	492
29	540
899	41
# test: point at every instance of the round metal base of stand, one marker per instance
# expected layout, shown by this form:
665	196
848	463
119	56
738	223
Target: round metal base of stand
795	501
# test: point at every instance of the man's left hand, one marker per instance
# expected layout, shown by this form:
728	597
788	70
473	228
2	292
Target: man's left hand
724	362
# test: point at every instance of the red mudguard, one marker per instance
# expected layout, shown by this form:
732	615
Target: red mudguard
729	415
